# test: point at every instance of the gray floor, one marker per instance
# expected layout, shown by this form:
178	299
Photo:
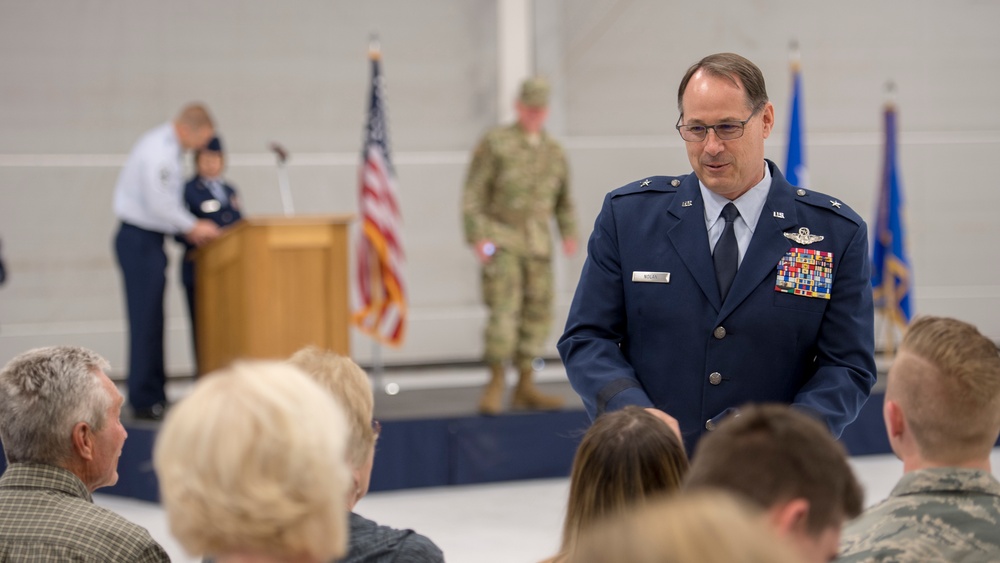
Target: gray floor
503	523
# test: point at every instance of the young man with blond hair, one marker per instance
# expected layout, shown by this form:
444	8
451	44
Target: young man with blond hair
942	416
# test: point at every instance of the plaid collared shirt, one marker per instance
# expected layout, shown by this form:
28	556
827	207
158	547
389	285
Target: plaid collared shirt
47	514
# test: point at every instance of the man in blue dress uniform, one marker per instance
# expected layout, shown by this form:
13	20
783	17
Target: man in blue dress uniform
706	291
207	196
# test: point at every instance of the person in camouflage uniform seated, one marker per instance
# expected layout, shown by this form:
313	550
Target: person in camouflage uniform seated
942	415
517	182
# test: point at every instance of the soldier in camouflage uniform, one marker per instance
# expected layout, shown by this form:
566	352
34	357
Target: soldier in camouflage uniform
517	182
942	414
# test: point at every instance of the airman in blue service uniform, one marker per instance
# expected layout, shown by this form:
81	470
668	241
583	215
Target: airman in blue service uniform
651	323
207	196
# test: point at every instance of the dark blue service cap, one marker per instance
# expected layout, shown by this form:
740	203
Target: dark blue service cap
215	145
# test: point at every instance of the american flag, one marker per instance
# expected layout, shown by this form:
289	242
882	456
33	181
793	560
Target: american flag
381	290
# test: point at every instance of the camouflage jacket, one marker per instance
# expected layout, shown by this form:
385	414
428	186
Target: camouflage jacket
932	515
514	189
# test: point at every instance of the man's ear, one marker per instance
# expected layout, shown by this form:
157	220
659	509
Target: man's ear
83	440
895	422
790	516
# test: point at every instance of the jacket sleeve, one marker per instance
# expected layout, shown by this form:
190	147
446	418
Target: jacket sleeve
476	195
565	210
591	346
845	348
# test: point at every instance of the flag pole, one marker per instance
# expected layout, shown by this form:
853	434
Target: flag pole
378	364
796	170
382	311
888	289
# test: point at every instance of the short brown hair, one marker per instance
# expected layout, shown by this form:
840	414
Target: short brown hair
737	69
951	399
625	458
772	454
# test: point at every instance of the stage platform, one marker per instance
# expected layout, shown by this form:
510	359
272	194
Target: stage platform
432	436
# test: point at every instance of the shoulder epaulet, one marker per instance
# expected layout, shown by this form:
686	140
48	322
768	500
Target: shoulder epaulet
824	201
651	183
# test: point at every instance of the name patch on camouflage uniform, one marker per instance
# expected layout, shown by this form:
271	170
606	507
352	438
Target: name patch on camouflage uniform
806	272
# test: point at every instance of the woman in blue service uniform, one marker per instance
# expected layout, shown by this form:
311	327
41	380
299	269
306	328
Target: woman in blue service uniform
207	196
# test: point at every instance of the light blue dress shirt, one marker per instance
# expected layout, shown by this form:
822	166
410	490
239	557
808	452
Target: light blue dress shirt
749	205
150	188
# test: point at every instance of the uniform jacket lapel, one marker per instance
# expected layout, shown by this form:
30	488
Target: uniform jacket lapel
768	244
690	238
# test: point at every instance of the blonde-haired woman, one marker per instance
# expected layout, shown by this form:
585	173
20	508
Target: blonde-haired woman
349	385
697	527
251	467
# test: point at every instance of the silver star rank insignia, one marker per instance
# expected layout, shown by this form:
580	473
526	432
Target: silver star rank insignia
644	183
835	203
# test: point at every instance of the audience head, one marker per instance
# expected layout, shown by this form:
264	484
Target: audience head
701	527
625	458
942	400
349	385
787	464
194	126
58	407
252	462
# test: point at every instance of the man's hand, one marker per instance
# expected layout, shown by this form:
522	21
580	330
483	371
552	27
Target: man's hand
569	246
202	232
485	249
668	420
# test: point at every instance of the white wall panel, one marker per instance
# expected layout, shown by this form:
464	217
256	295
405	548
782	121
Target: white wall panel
83	79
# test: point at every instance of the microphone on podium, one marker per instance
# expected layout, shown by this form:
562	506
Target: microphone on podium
283	187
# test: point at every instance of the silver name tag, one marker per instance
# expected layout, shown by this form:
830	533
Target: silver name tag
210	206
651	277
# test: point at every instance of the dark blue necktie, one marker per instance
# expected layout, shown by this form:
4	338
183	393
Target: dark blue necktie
727	253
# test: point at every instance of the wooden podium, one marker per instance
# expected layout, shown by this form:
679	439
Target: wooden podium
271	285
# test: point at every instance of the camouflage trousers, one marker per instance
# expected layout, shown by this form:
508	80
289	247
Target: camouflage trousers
518	291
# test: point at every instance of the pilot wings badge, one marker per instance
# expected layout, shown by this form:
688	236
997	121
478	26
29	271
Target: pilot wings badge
804	236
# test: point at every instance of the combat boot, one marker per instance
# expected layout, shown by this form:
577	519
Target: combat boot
491	403
528	397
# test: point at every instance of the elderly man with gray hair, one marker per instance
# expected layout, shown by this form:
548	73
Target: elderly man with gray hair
62	435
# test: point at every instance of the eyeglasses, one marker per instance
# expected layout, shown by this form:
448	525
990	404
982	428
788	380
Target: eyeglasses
376	427
725	131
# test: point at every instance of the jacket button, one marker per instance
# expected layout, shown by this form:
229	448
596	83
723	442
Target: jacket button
715	378
710	425
719	333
